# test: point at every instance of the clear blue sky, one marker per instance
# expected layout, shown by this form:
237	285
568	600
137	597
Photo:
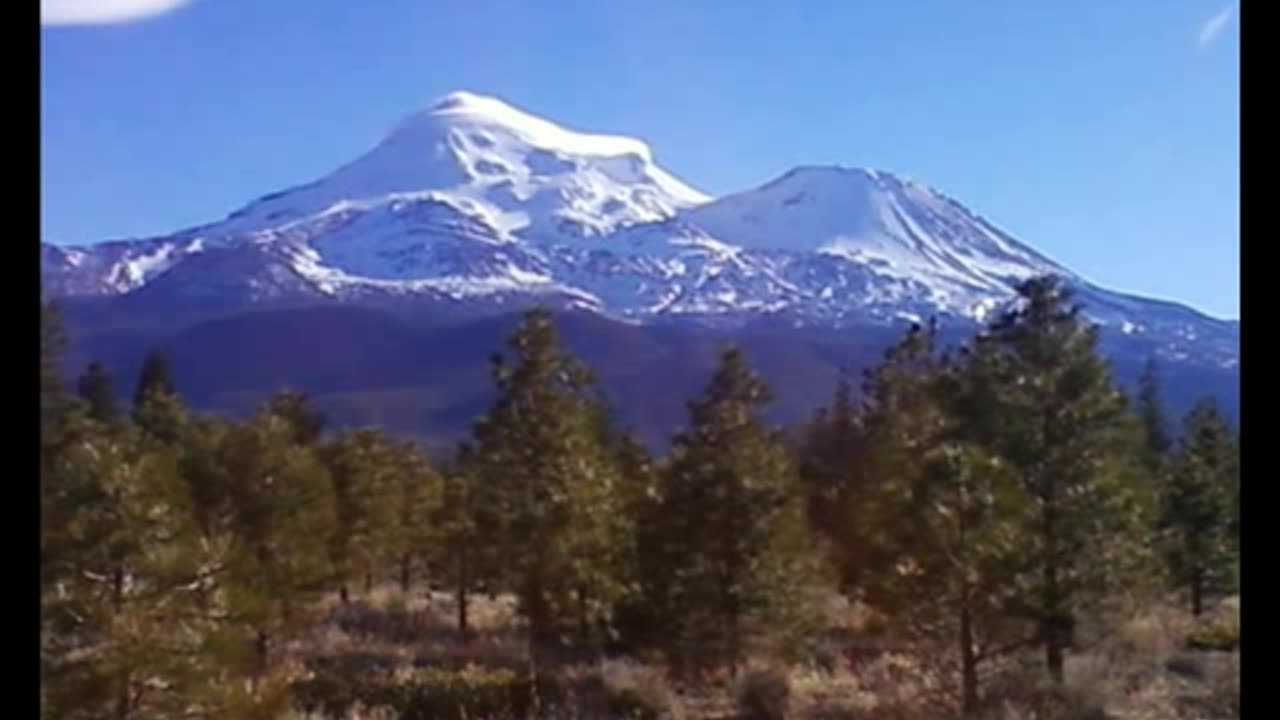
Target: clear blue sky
1104	133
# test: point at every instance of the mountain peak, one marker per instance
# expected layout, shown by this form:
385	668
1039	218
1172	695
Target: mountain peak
491	163
462	98
845	175
478	117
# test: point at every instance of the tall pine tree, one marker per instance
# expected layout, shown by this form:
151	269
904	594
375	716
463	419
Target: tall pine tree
1064	428
1198	508
266	510
552	482
888	435
1155	419
467	550
153	378
98	391
732	528
830	457
366	492
157	409
121	636
639	621
419	495
294	407
53	346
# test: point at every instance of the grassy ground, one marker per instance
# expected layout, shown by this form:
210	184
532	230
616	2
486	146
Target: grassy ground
1132	668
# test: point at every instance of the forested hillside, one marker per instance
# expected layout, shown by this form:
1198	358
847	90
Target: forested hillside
989	529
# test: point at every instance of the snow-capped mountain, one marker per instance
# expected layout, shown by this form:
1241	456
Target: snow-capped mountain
474	200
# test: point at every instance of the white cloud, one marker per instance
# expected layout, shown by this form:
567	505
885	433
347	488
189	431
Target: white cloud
103	12
1214	26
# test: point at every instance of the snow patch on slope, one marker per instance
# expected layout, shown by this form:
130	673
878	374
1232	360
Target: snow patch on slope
525	175
475	198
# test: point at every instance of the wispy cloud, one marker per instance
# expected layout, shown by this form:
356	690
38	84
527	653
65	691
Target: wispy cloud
1214	26
103	12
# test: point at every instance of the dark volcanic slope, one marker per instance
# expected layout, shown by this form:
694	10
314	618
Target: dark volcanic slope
418	377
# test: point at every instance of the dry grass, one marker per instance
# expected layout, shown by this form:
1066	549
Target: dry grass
1136	667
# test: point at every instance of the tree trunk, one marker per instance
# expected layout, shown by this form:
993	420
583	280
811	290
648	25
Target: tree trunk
368	581
344	594
124	702
732	631
584	631
968	666
1051	600
1054	661
1197	594
406	567
1055	630
262	646
117	588
538	610
461	594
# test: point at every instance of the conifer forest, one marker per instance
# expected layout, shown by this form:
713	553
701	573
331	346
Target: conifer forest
993	529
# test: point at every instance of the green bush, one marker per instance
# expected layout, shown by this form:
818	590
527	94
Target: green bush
764	694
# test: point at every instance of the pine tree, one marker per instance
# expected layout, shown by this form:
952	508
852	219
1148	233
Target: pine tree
1155	421
366	492
121	637
53	346
926	535
553	485
884	443
1198	505
1064	428
419	497
267	513
639	621
732	527
602	528
830	456
97	390
462	552
153	378
157	408
295	408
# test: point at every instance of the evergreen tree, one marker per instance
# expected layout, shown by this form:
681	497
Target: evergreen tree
603	527
462	551
925	534
1155	423
153	378
830	457
639	622
157	408
732	527
1198	505
1063	427
295	409
267	515
885	444
121	637
97	390
53	346
366	492
539	453
419	497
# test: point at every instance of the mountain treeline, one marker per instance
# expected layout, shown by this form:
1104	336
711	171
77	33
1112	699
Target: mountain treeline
982	500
